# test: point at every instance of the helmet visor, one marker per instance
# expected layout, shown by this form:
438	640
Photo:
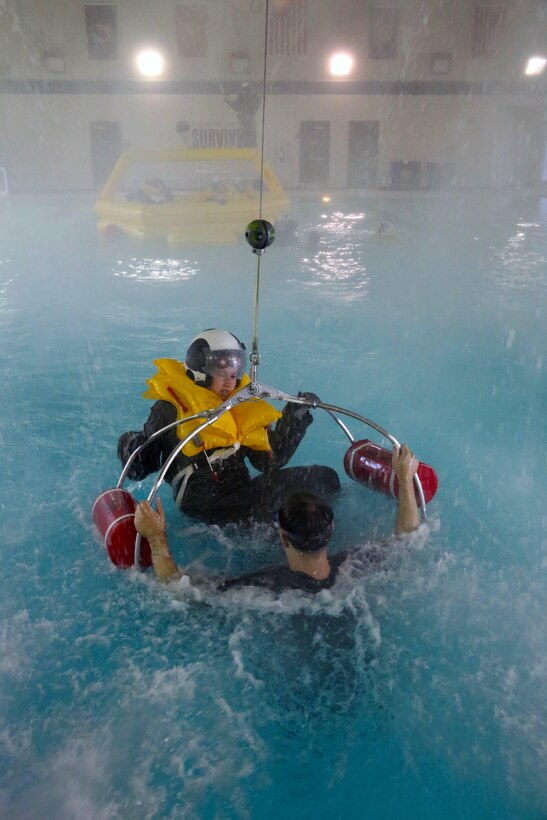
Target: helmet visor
216	360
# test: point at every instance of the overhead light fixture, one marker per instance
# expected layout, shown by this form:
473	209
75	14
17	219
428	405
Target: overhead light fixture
150	63
340	64
535	66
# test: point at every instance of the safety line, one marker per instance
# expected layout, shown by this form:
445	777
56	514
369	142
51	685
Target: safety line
255	355
264	104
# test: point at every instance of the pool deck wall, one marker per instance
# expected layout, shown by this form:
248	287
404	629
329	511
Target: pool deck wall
481	122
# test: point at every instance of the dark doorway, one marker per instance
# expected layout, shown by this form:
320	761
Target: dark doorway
106	147
363	153
314	152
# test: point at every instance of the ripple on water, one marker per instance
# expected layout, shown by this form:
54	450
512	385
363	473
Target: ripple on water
148	269
521	262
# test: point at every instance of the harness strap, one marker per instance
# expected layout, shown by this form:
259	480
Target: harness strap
185	475
186	472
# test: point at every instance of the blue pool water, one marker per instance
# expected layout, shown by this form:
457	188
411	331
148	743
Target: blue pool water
418	691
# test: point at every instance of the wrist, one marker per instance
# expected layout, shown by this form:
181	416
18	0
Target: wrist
158	544
166	569
406	495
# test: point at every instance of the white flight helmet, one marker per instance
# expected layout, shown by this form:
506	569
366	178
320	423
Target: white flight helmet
214	349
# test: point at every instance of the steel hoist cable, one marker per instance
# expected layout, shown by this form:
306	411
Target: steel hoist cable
259	233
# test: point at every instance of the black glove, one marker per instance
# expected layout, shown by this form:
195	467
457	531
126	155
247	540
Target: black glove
127	443
145	463
301	409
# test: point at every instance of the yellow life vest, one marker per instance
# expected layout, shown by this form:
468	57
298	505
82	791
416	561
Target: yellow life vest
245	424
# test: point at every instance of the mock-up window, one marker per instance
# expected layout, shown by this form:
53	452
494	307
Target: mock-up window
102	38
191	22
383	32
487	28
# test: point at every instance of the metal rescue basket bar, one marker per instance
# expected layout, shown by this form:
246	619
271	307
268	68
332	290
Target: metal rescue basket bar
251	392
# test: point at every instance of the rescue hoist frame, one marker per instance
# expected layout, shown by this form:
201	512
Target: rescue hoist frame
251	392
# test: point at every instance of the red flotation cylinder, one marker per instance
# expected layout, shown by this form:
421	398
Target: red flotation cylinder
114	517
369	464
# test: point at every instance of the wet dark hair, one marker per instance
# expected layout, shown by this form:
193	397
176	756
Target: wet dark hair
307	521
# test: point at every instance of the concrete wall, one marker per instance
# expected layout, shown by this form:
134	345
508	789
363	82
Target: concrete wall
484	118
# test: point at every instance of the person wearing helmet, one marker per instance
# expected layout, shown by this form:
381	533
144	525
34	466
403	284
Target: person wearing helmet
210	478
216	359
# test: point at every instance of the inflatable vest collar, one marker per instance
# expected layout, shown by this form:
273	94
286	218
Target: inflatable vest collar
245	424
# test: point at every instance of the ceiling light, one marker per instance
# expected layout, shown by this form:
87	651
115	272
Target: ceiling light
150	63
535	65
340	65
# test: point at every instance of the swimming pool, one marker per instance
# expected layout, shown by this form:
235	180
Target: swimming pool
416	692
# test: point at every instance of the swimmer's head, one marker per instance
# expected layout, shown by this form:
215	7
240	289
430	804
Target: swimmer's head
306	521
213	353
